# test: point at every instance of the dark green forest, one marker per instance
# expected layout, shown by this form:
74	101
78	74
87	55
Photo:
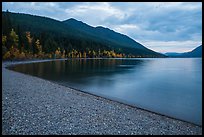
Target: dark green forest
27	36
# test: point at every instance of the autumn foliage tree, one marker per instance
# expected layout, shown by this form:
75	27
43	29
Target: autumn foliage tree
39	49
14	39
14	52
30	40
58	53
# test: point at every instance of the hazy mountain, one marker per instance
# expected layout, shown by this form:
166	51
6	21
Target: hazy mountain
170	54
197	52
73	34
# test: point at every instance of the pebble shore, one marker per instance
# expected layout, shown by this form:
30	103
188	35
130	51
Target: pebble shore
31	105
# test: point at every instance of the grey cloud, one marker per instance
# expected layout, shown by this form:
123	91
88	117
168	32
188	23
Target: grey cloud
156	21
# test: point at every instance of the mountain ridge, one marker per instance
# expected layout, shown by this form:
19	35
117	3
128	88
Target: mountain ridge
72	33
100	30
196	52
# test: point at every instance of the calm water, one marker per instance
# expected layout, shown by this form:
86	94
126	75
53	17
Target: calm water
170	86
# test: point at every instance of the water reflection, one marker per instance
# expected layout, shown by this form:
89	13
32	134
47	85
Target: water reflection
76	70
168	86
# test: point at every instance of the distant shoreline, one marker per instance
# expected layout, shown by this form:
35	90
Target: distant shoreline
80	94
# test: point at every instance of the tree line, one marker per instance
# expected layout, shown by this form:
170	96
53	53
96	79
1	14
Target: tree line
29	47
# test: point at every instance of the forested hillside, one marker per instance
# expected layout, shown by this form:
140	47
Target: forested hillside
27	36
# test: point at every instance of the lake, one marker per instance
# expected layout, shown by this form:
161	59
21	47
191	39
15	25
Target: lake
169	86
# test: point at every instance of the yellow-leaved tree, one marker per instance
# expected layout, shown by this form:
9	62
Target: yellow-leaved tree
40	54
14	52
58	53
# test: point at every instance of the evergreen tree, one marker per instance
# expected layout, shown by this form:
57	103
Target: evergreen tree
4	49
6	23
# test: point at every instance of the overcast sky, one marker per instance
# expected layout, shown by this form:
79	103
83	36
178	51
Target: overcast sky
160	26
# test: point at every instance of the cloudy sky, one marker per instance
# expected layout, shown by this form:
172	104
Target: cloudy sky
160	26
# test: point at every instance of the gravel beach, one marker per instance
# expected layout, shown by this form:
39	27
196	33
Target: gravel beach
31	105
